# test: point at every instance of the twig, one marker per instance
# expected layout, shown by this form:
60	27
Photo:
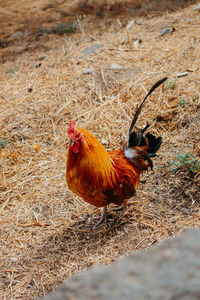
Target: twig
80	26
103	78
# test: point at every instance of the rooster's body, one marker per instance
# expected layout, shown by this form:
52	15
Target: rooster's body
100	177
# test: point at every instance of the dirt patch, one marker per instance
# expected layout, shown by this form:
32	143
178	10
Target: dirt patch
26	27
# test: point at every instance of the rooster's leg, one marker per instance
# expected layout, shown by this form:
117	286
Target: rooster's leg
121	208
103	218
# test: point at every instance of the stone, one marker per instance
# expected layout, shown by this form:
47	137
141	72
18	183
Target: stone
168	271
17	35
169	29
104	142
88	71
92	49
197	8
116	67
164	31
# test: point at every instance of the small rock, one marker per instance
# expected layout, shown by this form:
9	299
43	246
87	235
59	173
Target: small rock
137	42
168	29
17	34
182	74
104	142
197	7
13	259
91	49
116	67
35	66
164	31
170	270
88	71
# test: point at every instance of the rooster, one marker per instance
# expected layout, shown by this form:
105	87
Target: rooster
100	177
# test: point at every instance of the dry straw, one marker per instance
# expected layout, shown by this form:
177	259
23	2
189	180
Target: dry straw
46	231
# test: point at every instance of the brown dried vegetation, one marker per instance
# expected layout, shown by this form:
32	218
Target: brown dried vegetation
46	232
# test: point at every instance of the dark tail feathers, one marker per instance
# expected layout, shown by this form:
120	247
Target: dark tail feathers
140	148
155	86
149	142
154	144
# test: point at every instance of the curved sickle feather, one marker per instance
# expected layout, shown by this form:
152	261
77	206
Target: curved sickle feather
157	84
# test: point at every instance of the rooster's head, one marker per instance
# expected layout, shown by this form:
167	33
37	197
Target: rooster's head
75	136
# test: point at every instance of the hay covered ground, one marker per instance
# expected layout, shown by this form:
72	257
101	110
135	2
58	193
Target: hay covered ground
46	231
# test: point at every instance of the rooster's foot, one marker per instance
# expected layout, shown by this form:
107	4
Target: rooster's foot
120	208
102	219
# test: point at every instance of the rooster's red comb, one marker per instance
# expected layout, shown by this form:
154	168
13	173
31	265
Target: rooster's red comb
71	130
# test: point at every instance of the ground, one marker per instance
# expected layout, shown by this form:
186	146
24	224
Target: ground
46	231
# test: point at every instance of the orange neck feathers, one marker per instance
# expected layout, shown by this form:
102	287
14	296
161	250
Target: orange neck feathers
92	162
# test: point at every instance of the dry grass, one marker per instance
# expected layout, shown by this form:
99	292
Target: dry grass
46	232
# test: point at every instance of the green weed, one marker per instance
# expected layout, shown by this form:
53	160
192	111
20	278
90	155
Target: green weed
12	71
186	159
3	143
171	84
182	102
62	28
